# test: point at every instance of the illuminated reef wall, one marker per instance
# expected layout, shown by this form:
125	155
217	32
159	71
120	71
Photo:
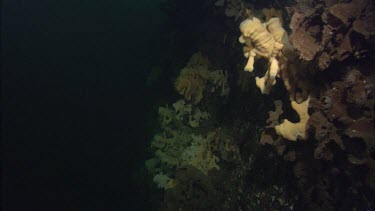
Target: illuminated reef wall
307	116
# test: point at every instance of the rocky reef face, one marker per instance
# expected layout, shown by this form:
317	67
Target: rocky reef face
332	31
305	140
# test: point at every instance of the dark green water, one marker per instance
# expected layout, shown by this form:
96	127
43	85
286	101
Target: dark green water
74	102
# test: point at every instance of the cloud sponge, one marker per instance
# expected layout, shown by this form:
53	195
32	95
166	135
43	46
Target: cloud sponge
295	131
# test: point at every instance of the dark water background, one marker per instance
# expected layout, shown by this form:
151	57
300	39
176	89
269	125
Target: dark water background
75	104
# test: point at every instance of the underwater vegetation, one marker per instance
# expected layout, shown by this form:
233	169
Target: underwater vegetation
273	111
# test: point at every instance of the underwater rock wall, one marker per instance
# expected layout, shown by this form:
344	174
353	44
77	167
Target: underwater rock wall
331	31
303	140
